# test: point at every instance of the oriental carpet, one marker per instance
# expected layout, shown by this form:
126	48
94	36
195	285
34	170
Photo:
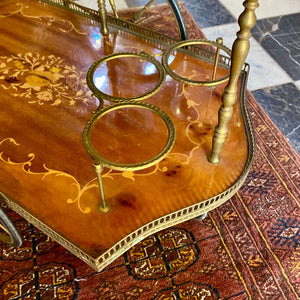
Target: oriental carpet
248	248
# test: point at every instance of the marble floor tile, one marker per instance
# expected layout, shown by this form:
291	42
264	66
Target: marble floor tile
280	37
266	9
294	139
208	13
262	65
120	4
141	3
282	104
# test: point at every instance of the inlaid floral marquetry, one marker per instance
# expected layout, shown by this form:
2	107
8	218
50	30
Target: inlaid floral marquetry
43	79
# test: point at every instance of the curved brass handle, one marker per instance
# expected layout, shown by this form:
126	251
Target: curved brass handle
10	235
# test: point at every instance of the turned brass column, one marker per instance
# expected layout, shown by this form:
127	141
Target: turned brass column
239	53
103	17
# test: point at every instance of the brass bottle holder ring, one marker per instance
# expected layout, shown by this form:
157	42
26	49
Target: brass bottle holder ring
141	55
98	159
218	44
101	162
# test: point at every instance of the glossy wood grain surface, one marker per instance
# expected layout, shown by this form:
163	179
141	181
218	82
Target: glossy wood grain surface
45	103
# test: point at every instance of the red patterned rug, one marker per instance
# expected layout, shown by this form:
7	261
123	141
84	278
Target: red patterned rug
249	248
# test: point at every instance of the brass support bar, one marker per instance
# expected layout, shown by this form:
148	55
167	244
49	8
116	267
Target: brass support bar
103	206
239	53
140	12
103	17
113	7
219	41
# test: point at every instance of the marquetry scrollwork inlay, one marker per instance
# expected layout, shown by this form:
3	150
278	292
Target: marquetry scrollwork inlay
63	25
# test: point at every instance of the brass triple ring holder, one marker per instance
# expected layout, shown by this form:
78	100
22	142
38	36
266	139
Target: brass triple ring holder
101	162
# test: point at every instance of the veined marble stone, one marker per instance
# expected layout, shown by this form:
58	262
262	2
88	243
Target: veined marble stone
266	9
262	66
279	36
282	104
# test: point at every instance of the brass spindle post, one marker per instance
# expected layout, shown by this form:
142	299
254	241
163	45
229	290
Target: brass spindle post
239	53
219	41
103	206
103	17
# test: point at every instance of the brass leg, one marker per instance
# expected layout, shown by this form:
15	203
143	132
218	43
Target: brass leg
104	206
113	6
201	217
103	19
219	41
239	53
9	234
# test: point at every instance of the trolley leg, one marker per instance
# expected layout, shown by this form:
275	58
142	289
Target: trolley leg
239	53
9	234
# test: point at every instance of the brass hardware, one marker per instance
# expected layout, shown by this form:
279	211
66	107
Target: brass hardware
239	53
128	167
103	17
103	206
9	234
142	55
212	82
140	12
114	9
100	162
219	41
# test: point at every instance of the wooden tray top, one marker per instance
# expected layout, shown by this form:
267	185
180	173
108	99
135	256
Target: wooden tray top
45	173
